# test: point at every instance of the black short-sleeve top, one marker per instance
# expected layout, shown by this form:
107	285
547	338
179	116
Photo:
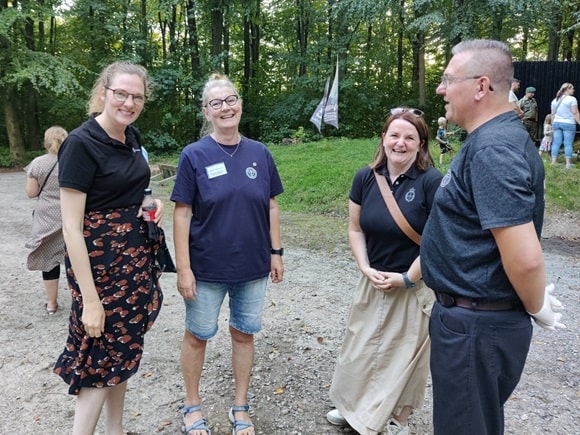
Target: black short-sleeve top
388	248
112	174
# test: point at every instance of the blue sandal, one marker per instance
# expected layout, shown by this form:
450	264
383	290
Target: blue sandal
239	424
200	424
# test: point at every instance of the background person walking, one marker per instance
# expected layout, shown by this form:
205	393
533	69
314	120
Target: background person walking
46	242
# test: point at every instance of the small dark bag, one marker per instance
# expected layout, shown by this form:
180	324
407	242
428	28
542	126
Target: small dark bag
156	235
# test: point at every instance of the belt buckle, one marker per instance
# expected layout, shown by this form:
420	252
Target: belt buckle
446	300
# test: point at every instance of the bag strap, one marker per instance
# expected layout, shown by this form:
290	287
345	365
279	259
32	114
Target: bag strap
395	211
46	179
557	105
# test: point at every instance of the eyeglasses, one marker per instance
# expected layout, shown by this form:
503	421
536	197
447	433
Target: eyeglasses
415	112
447	80
122	96
217	103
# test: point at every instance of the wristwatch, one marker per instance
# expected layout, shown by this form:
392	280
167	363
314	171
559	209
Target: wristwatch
407	281
279	252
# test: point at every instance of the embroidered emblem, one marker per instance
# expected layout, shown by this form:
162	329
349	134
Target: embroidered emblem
446	179
251	173
410	195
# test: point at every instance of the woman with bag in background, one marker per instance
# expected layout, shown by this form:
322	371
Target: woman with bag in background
382	369
46	242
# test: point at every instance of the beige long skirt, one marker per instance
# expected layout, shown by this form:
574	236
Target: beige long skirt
384	361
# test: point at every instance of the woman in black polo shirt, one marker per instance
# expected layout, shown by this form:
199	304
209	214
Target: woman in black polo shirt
383	365
110	263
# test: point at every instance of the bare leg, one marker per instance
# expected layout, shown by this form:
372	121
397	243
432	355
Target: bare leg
114	407
192	357
88	409
51	288
242	362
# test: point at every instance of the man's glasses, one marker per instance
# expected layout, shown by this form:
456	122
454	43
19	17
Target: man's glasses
122	96
447	80
415	112
217	103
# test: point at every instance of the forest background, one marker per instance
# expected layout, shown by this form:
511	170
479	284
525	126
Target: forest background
279	53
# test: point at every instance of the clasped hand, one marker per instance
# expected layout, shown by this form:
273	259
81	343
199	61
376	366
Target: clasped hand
548	317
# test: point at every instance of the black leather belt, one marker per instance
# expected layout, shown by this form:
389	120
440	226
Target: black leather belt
448	300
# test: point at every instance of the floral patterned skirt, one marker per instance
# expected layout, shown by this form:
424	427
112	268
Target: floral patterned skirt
127	281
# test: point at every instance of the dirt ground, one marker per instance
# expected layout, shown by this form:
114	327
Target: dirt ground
303	328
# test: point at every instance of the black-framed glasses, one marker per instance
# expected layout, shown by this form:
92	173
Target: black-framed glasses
415	112
217	103
122	96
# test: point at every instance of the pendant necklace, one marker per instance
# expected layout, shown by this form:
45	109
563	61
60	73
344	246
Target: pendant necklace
224	147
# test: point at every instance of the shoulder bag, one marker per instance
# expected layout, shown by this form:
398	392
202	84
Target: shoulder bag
44	182
395	211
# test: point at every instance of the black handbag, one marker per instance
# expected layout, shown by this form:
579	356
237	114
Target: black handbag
164	259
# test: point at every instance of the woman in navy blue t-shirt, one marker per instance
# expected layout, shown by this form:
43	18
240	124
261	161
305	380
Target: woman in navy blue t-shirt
227	241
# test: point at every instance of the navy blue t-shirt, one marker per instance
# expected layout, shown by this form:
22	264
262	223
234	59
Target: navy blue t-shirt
229	236
388	248
111	173
495	181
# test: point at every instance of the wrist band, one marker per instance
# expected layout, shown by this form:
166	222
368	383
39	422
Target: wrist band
407	281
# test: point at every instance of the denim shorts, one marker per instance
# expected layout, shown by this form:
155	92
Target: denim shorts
246	306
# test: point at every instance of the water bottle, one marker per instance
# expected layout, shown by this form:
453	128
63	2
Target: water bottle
149	208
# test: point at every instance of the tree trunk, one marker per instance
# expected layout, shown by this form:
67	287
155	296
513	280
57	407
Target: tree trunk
217	31
17	151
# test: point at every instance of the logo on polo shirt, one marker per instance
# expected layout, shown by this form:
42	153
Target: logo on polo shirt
410	195
446	179
251	173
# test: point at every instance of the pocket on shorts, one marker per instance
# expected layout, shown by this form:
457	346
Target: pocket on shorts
426	298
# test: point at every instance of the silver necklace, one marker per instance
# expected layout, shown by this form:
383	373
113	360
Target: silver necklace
223	147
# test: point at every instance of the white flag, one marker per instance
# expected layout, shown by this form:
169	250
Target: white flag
316	117
331	108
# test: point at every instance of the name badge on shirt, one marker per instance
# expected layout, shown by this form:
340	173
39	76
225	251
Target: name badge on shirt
216	170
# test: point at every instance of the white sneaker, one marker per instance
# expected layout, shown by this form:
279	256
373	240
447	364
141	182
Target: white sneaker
395	428
336	418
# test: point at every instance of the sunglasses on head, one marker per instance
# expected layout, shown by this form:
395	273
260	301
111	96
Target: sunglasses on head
415	112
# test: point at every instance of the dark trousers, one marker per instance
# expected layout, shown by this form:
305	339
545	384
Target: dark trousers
532	127
477	358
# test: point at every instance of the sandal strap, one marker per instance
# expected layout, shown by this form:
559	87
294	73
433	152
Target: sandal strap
200	424
240	425
189	409
240	408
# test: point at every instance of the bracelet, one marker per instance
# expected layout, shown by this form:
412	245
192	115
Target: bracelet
277	251
407	281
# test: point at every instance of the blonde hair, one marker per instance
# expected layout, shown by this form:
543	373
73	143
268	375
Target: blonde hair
442	121
215	80
563	89
548	119
53	138
96	104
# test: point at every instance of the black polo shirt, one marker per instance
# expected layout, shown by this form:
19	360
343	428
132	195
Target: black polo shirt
388	248
111	173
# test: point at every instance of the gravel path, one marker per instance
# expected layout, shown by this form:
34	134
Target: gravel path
303	328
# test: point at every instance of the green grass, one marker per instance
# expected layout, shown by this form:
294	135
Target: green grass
317	176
